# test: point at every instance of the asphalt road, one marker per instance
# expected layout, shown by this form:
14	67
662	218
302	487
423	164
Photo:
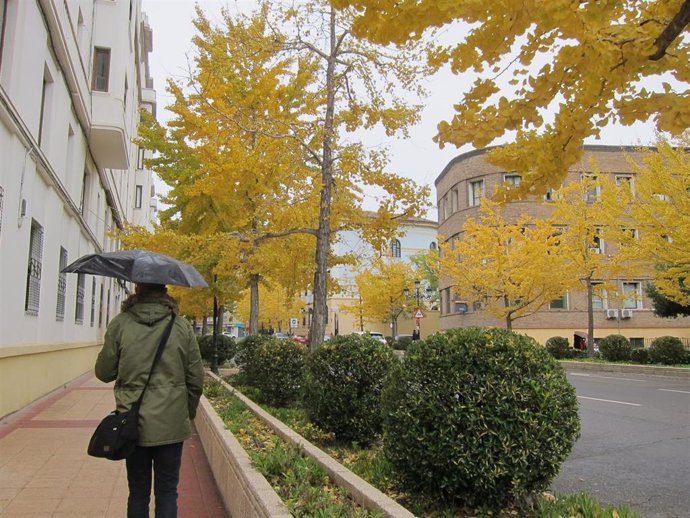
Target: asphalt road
635	443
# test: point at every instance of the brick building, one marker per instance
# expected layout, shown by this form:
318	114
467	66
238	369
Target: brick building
460	187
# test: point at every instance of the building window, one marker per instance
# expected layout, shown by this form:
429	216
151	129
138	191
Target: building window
599	297
592	194
512	179
2	197
461	306
597	246
79	306
101	69
3	14
625	180
432	246
395	248
559	303
92	314
455	199
84	186
137	196
153	190
446	207
62	287
100	309
45	103
637	342
140	157
475	191
630	233
632	295
549	195
33	274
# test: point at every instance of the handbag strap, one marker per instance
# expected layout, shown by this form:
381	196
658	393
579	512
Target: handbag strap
159	353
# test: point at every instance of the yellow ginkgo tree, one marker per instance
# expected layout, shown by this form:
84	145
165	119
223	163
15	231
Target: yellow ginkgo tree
513	267
240	195
381	288
661	210
591	216
554	71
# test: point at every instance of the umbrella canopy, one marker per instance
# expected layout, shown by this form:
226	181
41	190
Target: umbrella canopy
139	266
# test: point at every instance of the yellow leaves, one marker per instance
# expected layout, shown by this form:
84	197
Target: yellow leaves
661	212
598	56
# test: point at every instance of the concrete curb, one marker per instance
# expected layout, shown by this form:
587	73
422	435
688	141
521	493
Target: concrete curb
358	489
650	370
245	492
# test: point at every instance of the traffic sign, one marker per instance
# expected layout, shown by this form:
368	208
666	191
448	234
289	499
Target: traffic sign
419	314
293	322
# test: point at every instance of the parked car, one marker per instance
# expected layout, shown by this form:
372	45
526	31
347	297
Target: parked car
281	336
374	334
301	339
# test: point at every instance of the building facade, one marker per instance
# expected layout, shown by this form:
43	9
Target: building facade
460	188
73	77
415	236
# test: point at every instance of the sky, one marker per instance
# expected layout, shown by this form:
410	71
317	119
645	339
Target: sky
418	157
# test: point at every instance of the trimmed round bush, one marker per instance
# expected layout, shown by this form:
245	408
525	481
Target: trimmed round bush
667	350
226	347
276	368
343	384
559	347
615	348
640	356
478	416
246	348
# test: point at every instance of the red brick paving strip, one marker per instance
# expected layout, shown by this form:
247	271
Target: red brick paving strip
198	494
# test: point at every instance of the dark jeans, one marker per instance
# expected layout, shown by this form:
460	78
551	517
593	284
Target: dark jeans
165	461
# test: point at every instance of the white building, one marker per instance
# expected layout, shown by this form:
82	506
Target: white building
73	76
415	235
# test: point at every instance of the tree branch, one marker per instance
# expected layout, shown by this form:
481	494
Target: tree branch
672	30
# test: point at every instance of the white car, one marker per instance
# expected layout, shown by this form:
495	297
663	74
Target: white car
374	334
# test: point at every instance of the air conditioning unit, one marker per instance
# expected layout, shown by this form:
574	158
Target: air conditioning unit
611	314
626	313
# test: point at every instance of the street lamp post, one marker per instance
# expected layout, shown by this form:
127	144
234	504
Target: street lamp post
418	296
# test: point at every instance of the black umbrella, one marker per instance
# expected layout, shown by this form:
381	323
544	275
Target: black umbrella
139	266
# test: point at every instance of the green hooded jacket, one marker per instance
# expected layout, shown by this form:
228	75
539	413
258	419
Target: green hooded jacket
172	396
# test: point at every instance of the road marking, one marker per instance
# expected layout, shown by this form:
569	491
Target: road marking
605	377
609	401
679	391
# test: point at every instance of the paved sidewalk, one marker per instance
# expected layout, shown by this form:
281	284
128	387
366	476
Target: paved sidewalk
45	471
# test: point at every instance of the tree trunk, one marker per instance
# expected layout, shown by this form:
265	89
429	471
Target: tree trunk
590	318
204	325
323	234
254	302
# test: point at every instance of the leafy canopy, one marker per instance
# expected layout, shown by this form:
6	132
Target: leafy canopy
589	63
661	210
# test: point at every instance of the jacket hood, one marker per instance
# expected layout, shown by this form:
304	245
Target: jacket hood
150	309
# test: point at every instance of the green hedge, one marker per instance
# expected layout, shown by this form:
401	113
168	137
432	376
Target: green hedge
226	347
480	416
615	348
667	350
275	367
343	385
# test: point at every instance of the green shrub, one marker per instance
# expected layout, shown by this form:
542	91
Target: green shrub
246	349
402	343
559	347
667	350
343	384
640	356
276	368
615	348
226	347
480	416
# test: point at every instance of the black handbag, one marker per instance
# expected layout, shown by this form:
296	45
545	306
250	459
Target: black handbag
116	435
